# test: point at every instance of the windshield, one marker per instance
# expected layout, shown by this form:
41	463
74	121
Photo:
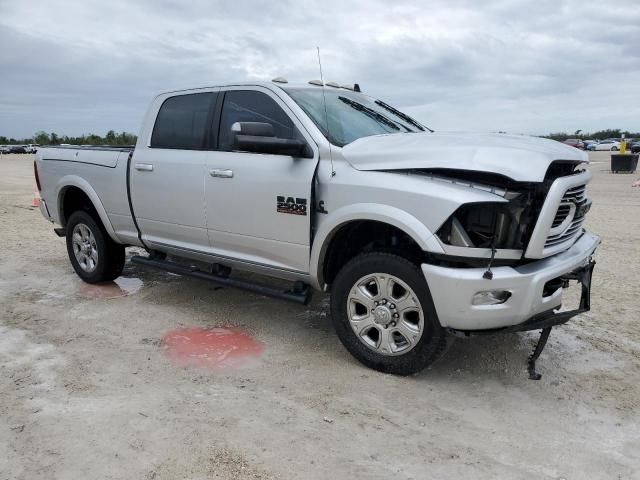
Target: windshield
351	115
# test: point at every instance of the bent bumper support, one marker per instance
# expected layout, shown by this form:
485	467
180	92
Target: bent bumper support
545	320
531	362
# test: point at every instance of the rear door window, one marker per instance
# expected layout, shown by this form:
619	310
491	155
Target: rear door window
182	122
253	106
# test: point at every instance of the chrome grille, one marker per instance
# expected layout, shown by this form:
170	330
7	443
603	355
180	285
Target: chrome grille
561	217
563	212
576	194
574	204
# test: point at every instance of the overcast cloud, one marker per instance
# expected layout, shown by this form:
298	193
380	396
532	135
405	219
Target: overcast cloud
524	67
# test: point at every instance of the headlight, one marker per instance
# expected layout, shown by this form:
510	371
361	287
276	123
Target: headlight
487	225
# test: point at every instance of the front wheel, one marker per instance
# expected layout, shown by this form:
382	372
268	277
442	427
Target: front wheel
94	256
384	315
614	149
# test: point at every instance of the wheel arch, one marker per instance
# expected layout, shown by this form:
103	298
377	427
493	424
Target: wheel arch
81	191
383	217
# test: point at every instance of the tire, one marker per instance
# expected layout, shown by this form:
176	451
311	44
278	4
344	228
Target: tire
418	319
614	149
94	256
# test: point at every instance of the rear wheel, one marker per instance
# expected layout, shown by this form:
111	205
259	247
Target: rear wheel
94	256
383	313
614	149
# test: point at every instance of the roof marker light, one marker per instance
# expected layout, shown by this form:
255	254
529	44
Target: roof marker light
316	82
280	80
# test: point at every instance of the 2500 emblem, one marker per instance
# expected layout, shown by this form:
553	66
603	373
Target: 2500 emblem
291	205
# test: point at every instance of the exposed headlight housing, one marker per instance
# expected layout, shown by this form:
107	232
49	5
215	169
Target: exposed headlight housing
486	225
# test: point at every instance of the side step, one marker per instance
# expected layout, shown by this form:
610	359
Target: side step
300	293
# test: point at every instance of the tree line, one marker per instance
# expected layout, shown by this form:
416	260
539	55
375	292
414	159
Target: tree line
44	138
599	135
124	138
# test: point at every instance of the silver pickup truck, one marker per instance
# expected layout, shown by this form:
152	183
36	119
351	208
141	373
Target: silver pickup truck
419	236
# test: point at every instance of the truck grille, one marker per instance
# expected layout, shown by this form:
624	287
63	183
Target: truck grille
561	217
569	217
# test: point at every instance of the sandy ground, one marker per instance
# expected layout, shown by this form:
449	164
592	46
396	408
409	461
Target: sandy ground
86	390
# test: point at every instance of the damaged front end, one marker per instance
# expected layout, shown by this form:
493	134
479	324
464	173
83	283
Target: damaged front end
500	229
526	293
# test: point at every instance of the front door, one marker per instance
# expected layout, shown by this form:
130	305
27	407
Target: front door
259	205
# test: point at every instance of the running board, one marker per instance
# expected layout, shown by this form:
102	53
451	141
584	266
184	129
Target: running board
300	293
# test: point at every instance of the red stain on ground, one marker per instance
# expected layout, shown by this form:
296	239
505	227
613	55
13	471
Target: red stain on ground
212	348
120	287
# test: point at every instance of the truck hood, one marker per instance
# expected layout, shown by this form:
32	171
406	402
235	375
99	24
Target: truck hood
519	157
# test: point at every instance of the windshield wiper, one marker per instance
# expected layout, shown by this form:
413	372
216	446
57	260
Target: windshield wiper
369	112
403	116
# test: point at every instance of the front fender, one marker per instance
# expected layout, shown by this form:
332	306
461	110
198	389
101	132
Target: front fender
366	211
75	181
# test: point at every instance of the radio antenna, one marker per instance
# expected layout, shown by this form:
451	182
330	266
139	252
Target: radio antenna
326	115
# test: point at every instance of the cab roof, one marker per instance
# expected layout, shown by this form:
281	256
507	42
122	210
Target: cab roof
265	84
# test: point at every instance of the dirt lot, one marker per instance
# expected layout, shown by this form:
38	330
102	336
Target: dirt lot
87	389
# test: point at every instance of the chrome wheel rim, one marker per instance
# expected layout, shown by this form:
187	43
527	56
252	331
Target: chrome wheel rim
385	314
85	248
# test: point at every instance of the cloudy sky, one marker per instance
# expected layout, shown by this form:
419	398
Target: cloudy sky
520	66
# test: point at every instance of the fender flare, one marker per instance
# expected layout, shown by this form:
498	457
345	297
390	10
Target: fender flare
74	181
366	211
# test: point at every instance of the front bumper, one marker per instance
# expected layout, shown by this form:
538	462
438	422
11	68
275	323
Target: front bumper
453	289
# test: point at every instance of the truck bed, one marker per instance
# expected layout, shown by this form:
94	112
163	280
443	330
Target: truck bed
100	172
105	156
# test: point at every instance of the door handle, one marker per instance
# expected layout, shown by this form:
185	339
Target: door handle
221	172
144	167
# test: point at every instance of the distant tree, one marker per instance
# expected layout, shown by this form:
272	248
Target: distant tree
41	138
560	136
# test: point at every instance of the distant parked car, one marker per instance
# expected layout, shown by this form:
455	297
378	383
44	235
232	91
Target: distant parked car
635	147
589	143
611	145
17	149
4	149
31	148
574	142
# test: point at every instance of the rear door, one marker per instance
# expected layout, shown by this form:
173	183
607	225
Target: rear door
168	174
259	205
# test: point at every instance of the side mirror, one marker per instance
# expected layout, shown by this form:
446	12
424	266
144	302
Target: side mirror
256	129
259	137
